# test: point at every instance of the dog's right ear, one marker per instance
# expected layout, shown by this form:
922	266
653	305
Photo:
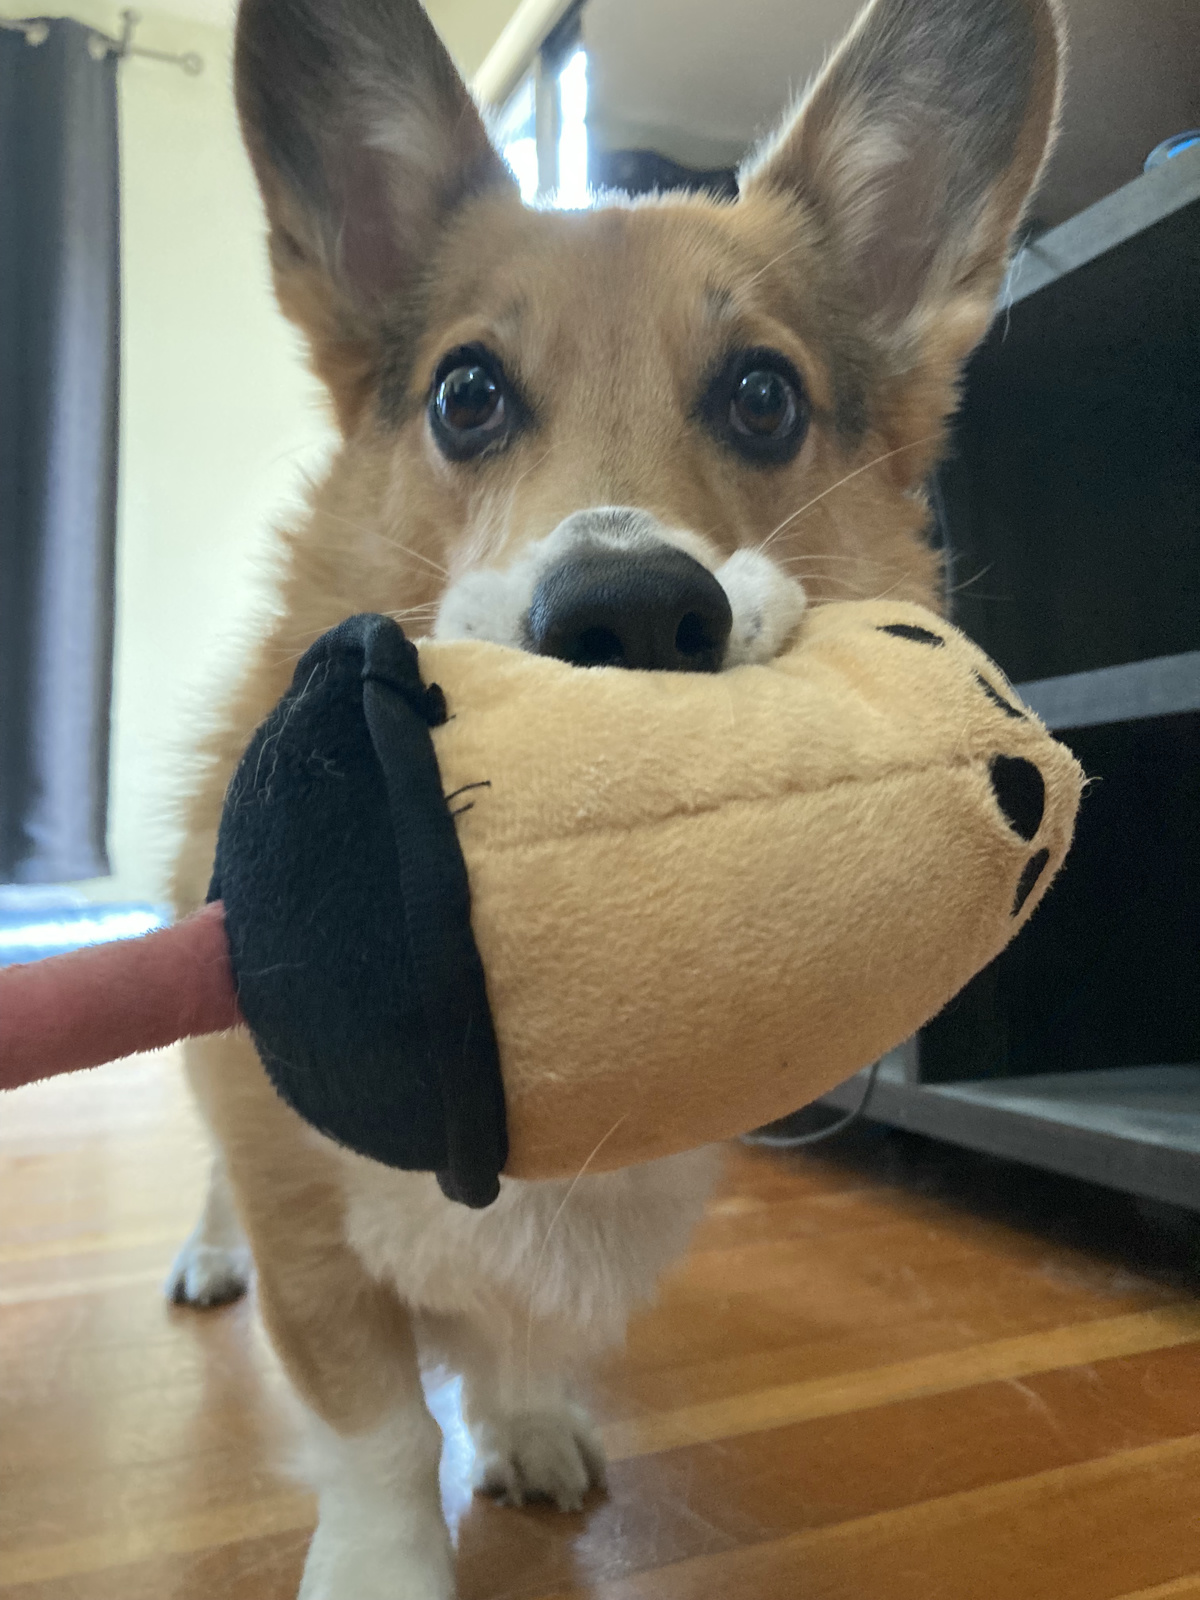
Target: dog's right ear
910	161
365	142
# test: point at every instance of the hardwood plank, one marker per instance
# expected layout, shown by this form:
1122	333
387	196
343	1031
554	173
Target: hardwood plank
108	1242
761	1487
1181	1589
73	1288
1134	1515
1008	1359
228	1524
251	1569
839	1468
669	1508
883	1370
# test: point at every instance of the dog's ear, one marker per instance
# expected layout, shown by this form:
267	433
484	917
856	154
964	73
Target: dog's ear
913	154
365	143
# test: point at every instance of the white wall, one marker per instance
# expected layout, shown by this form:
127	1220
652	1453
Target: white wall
469	27
218	419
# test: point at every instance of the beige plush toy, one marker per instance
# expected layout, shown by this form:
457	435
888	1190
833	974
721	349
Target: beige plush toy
703	901
489	912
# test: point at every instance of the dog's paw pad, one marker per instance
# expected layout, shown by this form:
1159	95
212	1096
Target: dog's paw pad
551	1455
205	1275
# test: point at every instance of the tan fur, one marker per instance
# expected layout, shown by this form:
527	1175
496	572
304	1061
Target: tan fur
610	319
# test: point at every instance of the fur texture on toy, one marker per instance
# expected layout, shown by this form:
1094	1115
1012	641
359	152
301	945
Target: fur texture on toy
489	912
702	902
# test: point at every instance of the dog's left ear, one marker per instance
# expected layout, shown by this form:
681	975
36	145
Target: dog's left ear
910	162
366	144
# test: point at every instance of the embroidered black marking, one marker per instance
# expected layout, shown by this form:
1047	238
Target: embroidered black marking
998	699
1033	871
435	705
908	630
1020	793
484	783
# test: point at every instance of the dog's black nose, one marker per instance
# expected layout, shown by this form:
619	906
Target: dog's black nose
660	611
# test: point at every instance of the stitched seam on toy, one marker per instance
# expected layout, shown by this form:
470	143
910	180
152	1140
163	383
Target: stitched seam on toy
598	830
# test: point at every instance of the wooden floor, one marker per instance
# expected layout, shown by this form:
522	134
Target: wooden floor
887	1372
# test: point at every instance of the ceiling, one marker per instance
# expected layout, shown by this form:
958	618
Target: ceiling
469	27
699	80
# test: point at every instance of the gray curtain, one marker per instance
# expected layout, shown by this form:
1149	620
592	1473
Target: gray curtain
59	324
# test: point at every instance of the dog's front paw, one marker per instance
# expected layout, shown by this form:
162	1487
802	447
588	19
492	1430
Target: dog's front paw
380	1530
206	1275
553	1454
349	1560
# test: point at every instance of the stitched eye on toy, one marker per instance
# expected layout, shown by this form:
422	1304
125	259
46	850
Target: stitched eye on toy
470	407
757	405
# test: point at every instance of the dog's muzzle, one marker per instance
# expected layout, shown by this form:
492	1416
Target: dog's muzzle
656	609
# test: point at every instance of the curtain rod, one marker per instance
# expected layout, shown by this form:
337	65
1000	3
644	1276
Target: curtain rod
522	36
102	44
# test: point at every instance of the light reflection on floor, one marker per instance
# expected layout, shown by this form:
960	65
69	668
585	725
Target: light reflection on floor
443	1395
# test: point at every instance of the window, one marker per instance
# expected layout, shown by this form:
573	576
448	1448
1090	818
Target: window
542	131
572	187
516	135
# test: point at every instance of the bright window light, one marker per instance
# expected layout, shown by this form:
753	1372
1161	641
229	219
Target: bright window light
573	140
516	136
79	930
521	155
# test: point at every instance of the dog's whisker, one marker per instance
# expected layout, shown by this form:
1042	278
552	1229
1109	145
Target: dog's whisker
774	262
891	589
499	533
407	550
415	626
967	582
537	1265
490	519
854	589
812	556
394	544
414	613
800	567
841	482
520	479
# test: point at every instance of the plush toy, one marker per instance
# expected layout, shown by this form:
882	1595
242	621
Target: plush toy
488	912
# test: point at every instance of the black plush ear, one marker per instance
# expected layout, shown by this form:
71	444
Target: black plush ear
915	150
348	916
365	142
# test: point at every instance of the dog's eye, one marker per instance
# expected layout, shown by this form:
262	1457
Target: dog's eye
469	397
757	405
764	404
469	409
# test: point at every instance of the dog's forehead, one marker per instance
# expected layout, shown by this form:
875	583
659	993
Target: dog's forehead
657	249
634	286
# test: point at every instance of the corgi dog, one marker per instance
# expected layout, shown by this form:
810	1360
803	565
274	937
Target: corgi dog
646	434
